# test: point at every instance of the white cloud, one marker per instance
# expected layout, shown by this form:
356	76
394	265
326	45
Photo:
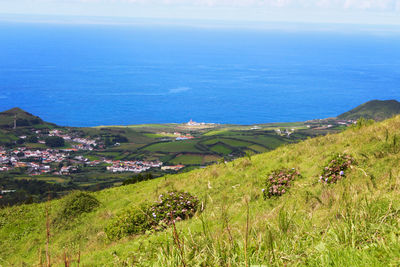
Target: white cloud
374	5
326	11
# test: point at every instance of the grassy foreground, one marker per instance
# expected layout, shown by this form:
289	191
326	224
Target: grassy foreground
354	222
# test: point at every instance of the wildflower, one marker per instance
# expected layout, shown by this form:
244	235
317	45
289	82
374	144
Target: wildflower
341	173
154	215
263	190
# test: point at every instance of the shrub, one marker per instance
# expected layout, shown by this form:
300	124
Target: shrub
132	221
279	181
336	167
174	206
78	203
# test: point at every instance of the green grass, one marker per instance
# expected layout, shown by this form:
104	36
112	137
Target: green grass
174	147
187	159
35	145
258	148
221	149
355	222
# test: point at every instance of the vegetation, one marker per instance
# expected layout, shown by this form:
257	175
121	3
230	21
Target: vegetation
171	207
55	141
23	119
354	221
376	110
336	168
138	178
76	204
134	220
279	182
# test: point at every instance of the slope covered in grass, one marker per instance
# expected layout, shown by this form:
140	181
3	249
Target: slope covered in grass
354	222
23	119
377	110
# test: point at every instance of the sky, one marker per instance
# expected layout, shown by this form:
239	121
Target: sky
374	12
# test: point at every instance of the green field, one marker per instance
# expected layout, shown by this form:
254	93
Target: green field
188	159
221	149
176	146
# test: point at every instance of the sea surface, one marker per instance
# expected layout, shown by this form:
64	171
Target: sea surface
88	75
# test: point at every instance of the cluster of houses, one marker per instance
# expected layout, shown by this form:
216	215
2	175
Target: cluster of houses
182	136
39	162
78	142
132	166
172	168
36	161
62	162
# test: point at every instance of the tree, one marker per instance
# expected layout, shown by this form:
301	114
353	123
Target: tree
54	141
20	141
32	139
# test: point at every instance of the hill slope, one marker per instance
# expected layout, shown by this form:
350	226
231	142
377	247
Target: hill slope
354	222
376	109
23	118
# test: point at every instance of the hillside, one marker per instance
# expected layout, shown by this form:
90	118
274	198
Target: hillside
353	222
23	118
376	109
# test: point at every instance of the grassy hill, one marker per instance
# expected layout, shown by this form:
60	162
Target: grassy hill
354	222
376	109
23	119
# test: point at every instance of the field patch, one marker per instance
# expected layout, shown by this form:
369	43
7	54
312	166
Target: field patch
188	159
220	148
174	147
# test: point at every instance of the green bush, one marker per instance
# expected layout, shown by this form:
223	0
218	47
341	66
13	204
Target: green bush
135	220
78	203
336	168
279	181
172	206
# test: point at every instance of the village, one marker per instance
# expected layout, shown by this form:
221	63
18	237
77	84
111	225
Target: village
60	162
64	161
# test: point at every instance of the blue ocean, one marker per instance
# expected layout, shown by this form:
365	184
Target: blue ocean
88	75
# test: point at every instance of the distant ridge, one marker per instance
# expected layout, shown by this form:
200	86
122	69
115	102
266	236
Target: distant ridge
377	110
23	118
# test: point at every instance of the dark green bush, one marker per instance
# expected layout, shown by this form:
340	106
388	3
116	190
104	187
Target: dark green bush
336	168
135	220
54	141
279	181
78	203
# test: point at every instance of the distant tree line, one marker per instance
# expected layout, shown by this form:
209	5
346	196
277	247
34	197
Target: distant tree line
30	191
138	178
